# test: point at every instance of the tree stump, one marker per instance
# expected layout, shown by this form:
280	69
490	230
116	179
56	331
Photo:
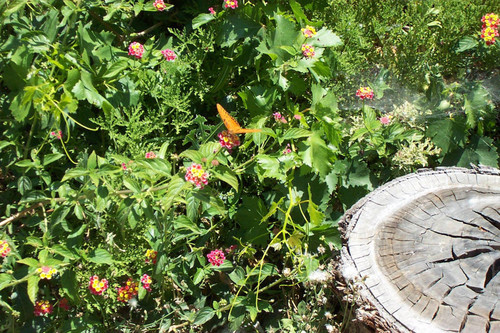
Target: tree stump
424	250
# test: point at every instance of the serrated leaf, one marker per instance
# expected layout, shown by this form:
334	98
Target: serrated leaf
132	185
315	216
74	173
69	285
175	187
34	241
33	287
295	133
466	43
202	19
5	279
50	158
325	38
226	175
317	155
203	315
29	261
101	256
64	252
116	69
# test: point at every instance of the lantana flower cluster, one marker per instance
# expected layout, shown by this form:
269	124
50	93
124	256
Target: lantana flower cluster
128	291
4	249
216	257
308	31
490	28
159	5
279	118
96	286
169	54
151	256
57	135
43	308
233	4
64	304
365	93
136	49
146	282
197	175
150	155
228	140
46	272
308	51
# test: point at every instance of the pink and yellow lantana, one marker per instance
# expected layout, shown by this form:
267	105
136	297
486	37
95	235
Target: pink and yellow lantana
216	257
365	93
46	272
146	282
151	256
228	140
96	286
308	51
308	31
169	55
159	5
230	4
43	308
136	49
197	175
4	249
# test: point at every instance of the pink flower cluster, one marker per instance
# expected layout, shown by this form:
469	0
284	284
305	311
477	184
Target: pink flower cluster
228	140
231	4
150	155
136	49
146	282
159	5
96	286
365	93
211	10
287	150
169	54
490	28
196	175
385	120
279	118
308	50
216	257
308	31
4	249
43	308
57	135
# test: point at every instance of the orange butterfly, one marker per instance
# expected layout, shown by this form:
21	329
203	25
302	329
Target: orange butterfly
231	124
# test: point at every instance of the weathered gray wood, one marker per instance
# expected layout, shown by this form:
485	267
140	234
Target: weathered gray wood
424	249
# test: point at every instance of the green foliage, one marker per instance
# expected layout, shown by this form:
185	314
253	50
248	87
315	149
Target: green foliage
107	158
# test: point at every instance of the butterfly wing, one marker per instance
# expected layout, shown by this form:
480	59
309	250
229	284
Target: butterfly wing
231	124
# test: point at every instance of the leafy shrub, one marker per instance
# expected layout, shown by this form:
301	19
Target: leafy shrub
127	206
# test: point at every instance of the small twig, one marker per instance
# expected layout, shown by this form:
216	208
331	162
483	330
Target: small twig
142	33
175	327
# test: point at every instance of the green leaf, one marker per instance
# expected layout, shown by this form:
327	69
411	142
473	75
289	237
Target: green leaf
295	133
132	185
448	134
466	43
238	276
116	69
202	19
270	167
316	217
19	107
249	216
203	315
226	175
13	6
33	287
34	241
101	256
24	184
50	158
74	173
175	187
5	279
317	155
29	261
325	38
69	285
64	252
199	276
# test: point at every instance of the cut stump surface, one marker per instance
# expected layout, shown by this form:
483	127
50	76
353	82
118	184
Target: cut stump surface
424	249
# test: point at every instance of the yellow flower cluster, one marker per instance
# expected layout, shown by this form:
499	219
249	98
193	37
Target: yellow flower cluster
46	272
